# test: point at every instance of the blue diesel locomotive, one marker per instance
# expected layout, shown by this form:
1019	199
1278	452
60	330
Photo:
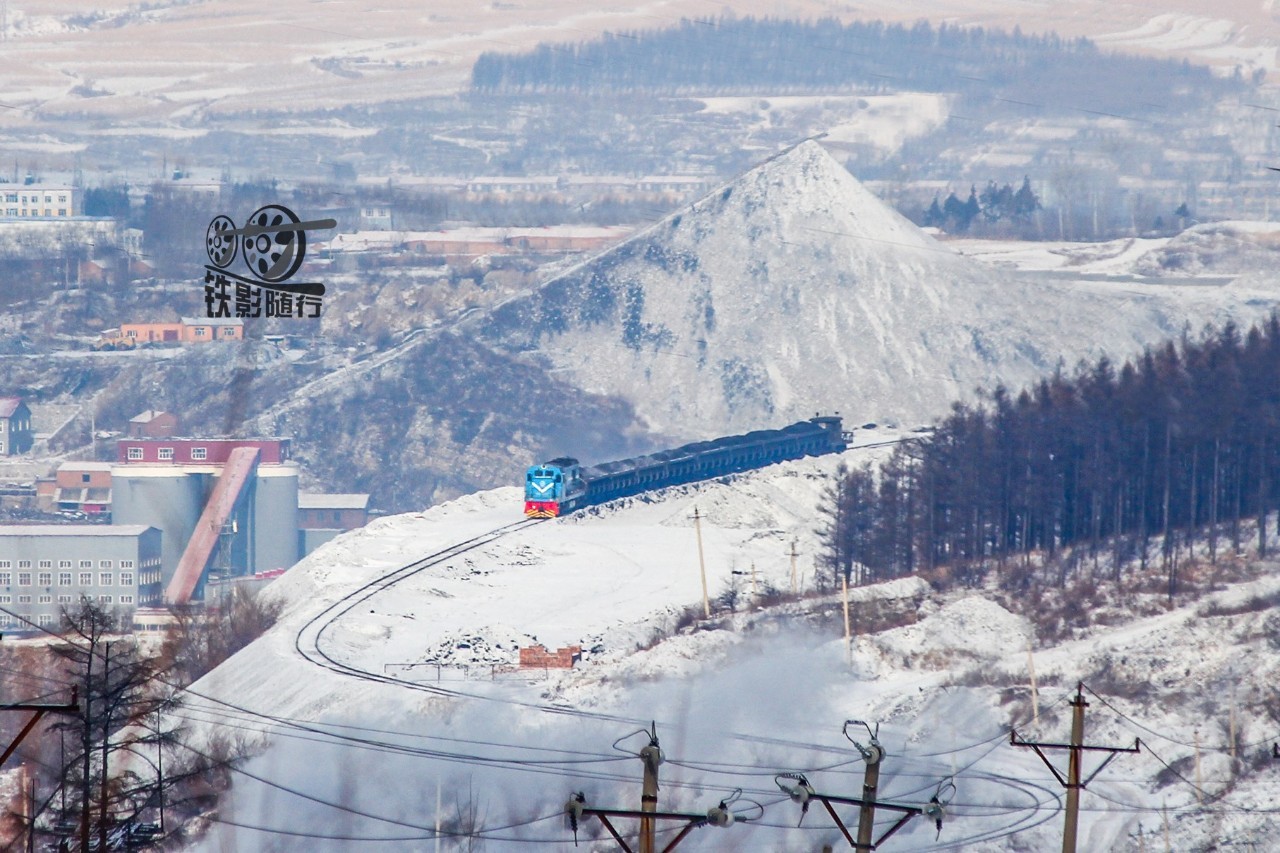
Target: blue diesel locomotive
561	485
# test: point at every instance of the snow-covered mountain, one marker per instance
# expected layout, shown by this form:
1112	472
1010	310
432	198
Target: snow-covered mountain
793	289
754	693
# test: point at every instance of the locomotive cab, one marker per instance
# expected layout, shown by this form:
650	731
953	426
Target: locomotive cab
552	488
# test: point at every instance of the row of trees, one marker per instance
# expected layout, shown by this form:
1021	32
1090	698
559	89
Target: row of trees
771	55
122	761
1178	445
996	204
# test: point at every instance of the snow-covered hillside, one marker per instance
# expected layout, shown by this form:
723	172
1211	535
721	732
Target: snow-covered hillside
793	289
753	694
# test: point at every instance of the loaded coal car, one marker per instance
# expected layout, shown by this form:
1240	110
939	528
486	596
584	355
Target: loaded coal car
560	486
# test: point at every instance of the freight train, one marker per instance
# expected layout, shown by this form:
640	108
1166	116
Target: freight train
561	485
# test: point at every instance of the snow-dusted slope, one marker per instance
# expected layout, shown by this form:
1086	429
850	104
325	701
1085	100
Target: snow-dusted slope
755	695
793	289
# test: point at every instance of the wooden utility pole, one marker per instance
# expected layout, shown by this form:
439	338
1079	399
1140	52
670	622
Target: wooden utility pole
1075	750
702	563
40	710
1073	773
803	793
437	816
793	567
870	782
1035	694
651	755
1199	781
576	809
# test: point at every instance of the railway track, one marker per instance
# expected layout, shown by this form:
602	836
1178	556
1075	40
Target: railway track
309	641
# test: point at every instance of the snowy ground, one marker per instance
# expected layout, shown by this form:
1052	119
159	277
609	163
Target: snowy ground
759	694
159	65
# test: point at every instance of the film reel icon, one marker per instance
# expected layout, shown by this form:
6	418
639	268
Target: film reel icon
221	242
274	244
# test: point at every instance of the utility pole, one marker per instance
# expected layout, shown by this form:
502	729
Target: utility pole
870	782
1075	750
803	793
1199	780
576	809
651	755
40	710
702	563
793	567
1035	694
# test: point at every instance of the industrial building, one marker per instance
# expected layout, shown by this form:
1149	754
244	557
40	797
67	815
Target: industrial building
323	517
227	507
46	568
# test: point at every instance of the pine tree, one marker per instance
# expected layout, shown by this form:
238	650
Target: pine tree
1025	203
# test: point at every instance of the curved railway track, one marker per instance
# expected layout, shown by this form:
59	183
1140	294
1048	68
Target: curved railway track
309	640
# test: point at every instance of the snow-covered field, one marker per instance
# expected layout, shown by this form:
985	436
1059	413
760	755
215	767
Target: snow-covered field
756	694
158	63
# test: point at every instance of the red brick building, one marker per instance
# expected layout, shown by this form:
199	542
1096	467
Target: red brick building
153	424
197	451
83	486
537	657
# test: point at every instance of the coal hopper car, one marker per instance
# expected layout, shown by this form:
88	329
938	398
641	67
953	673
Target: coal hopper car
560	486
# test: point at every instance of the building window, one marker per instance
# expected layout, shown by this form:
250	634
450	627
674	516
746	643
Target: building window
6	564
24	578
166	454
6	578
46	599
200	330
24	599
126	599
45	579
64	578
86	579
12	198
126	564
126	579
24	564
135	453
199	453
86	564
64	564
6	599
104	599
228	332
64	599
45	620
104	564
104	579
46	564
